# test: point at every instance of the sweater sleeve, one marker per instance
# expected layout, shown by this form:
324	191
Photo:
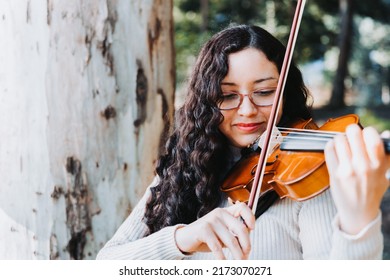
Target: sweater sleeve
321	237
368	244
129	242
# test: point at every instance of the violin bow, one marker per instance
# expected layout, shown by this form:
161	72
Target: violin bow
256	186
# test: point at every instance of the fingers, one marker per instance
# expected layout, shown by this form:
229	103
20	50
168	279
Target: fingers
232	228
214	243
240	223
241	210
357	146
367	149
357	154
201	236
344	154
227	228
331	160
356	151
330	154
357	164
232	234
375	146
338	156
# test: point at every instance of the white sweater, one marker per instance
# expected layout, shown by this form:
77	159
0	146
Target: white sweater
287	230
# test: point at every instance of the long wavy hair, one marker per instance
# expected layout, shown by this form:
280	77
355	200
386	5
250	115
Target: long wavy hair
196	152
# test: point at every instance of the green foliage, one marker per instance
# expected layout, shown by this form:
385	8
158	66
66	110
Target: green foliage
371	118
188	39
318	34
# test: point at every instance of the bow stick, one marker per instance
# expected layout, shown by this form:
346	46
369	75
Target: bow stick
256	186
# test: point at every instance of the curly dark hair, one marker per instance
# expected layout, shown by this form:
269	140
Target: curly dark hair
196	153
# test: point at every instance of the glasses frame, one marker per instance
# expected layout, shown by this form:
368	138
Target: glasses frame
242	98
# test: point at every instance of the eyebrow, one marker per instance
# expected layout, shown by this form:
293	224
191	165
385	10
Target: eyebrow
255	82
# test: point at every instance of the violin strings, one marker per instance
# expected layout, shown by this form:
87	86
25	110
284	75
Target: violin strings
301	140
307	134
310	131
305	138
301	136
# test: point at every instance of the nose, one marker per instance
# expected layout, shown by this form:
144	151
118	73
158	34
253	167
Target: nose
247	108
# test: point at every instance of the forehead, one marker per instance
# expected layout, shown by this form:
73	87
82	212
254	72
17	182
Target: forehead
249	65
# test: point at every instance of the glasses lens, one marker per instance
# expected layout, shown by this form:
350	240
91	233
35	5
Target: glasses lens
263	98
229	101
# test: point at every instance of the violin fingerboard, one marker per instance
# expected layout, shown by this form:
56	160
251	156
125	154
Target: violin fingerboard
295	142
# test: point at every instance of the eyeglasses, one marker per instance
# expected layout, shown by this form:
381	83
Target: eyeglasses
231	101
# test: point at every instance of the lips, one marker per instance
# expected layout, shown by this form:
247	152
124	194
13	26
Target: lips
248	127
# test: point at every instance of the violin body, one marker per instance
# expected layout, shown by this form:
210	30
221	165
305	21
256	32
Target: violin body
297	175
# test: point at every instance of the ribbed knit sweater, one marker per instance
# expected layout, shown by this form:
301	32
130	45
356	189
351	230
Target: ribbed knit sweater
287	230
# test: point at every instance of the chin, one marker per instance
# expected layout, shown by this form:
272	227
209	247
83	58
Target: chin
250	140
244	144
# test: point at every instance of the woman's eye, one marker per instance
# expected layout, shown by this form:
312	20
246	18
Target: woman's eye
264	92
228	96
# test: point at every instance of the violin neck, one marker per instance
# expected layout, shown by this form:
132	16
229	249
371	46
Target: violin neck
314	143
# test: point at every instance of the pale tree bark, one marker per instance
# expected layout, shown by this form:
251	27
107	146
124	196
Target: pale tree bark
86	98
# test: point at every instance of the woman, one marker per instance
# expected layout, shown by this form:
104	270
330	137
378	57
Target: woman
184	215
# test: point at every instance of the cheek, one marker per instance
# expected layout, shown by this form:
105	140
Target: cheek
266	112
225	123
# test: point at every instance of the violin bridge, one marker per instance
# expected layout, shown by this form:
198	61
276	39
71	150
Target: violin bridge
276	140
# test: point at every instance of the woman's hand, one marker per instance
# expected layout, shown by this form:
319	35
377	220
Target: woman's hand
223	227
357	166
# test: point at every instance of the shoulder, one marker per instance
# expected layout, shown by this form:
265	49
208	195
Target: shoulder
155	182
148	192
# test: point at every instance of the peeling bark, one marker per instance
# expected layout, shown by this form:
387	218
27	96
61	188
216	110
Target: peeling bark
164	116
77	213
109	112
141	95
57	192
104	47
153	34
54	254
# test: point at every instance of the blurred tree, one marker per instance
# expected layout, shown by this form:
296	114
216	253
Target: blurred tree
344	46
377	9
204	8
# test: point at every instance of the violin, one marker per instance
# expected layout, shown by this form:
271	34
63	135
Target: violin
296	166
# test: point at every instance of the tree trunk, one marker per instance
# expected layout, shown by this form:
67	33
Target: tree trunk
345	38
204	11
86	98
